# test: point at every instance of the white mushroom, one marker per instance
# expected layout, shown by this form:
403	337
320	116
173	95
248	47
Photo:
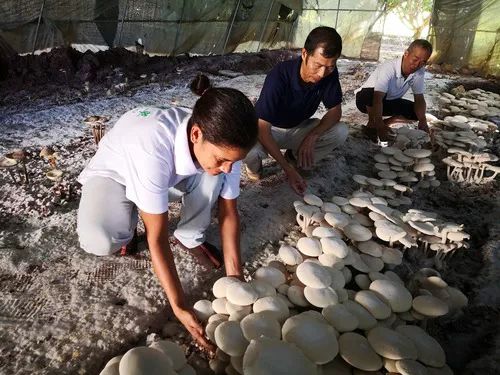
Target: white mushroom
241	294
356	351
230	339
173	351
143	360
340	318
314	275
270	275
260	324
396	294
391	344
290	255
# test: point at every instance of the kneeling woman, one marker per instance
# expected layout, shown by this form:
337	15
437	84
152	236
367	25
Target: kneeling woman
153	154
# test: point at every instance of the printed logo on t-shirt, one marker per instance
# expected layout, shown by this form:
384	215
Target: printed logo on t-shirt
143	113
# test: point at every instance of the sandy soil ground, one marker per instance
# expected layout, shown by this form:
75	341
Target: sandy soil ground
63	311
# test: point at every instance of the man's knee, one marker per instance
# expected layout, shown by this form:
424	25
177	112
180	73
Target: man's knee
337	135
96	241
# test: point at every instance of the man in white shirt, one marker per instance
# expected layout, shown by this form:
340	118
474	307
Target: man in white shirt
382	94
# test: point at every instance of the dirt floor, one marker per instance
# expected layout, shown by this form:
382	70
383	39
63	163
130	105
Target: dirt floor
63	311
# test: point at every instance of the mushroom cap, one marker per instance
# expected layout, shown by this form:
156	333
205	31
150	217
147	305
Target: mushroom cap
270	275
363	281
203	309
335	246
417	153
321	297
330	207
381	158
219	306
315	337
429	351
399	298
389	150
366	320
357	232
173	351
337	220
331	260
360	179
382	167
340	317
370	301
374	264
296	295
143	360
260	324
309	246
388	231
241	294
362	219
230	339
391	344
411	367
423	167
263	288
356	350
314	275
273	304
219	287
290	255
323	232
54	174
349	209
400	156
423	227
313	200
266	356
430	306
360	202
340	201
375	182
7	162
370	247
389	175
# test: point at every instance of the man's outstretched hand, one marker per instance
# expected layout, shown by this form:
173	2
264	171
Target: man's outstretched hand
189	320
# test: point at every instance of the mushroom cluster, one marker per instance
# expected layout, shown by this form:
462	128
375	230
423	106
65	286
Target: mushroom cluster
461	132
15	161
332	303
407	137
476	103
473	168
160	358
97	126
406	166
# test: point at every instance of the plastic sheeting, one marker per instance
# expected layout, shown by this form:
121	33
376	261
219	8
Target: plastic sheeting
466	33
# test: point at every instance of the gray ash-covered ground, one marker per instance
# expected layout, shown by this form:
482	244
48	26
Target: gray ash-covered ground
63	311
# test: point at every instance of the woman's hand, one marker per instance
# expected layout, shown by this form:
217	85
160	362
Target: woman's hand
189	320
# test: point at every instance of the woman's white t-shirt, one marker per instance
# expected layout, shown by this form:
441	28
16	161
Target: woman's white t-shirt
147	151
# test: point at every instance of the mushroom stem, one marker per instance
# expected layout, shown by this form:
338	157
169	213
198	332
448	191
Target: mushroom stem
26	178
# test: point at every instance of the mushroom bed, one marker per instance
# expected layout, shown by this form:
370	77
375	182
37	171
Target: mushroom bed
389	264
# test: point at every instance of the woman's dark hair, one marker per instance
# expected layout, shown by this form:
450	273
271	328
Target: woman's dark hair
225	116
326	37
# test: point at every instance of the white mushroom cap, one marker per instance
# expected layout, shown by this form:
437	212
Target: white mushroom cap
391	344
309	246
370	301
275	305
313	336
275	357
362	281
322	232
203	309
270	275
314	275
360	179
321	297
313	200
430	306
389	150
349	209
392	256
390	175
330	207
388	231
356	351
260	324
423	167
362	219
370	247
374	264
173	351
381	158
296	295
230	339
219	288
143	360
396	294
424	227
241	294
429	351
218	317
360	202
337	220
263	288
340	318
290	255
232	308
357	232
417	153
335	246
366	320
219	306
340	201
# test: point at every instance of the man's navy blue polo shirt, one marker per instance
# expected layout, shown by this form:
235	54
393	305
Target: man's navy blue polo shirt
285	101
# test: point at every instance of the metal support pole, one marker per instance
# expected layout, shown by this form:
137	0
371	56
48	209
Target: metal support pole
230	27
265	25
38	26
179	28
337	16
121	23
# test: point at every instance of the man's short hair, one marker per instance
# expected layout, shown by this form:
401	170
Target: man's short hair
325	37
422	43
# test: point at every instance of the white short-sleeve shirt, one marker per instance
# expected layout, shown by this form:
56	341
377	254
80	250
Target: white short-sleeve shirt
388	78
147	151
